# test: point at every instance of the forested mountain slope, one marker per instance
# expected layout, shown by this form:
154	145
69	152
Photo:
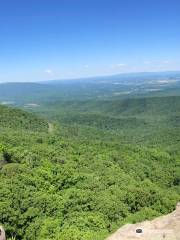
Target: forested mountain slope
142	119
126	107
18	119
82	181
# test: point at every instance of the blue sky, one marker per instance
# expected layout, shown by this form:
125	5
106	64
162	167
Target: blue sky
54	39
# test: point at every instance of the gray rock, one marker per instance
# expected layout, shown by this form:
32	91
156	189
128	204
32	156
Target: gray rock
162	228
2	233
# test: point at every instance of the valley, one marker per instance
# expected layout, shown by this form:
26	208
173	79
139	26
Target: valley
78	167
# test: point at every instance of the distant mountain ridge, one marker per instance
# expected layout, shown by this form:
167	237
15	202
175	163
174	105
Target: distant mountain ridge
115	86
119	76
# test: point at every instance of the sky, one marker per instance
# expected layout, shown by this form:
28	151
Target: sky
59	39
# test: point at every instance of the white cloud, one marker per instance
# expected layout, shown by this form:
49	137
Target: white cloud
121	65
48	71
118	65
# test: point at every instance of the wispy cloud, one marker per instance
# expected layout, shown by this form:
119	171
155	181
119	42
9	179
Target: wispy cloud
121	65
118	65
86	66
49	71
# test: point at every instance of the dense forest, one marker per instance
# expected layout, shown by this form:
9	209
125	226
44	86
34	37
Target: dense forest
102	164
80	159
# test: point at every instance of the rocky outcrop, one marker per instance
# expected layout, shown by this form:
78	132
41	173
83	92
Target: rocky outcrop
162	228
2	233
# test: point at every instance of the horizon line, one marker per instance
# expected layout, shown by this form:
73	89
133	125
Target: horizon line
95	76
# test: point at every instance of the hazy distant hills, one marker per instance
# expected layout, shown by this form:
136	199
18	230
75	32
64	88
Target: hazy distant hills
21	92
116	86
125	78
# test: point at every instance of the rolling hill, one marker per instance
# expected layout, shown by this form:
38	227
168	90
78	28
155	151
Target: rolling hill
121	86
20	120
105	164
